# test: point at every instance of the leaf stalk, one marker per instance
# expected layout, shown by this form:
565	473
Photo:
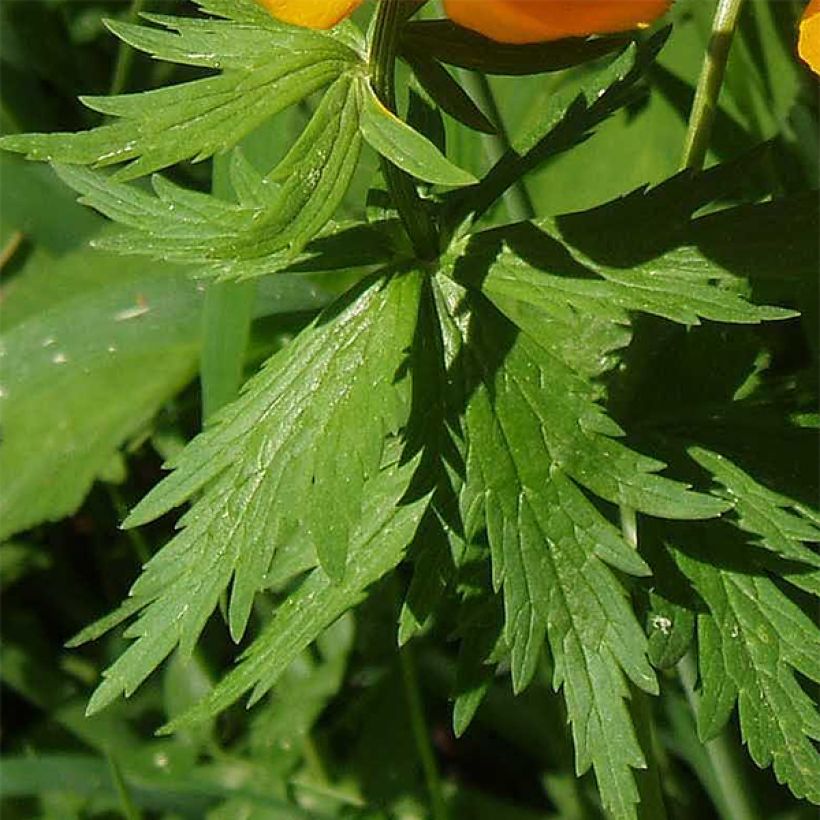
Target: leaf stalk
704	108
421	735
728	774
226	326
413	212
733	790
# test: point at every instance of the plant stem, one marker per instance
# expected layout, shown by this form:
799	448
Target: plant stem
409	673
652	805
413	212
728	773
135	536
11	247
733	792
226	324
704	107
125	54
127	805
517	199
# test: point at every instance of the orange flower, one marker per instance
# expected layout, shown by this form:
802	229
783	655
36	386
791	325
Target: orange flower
506	21
534	21
311	13
808	46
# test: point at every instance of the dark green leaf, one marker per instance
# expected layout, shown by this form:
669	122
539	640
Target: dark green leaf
445	41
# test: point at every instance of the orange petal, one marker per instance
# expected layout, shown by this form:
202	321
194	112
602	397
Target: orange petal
311	13
533	21
808	46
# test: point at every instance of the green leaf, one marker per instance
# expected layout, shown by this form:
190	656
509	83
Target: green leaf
753	640
290	460
61	227
270	223
780	523
404	147
650	234
566	121
447	93
302	692
378	545
533	435
528	264
600	90
266	67
670	627
92	348
446	42
17	560
434	433
89	776
480	628
260	234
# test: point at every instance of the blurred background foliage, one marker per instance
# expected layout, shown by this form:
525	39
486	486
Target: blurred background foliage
92	428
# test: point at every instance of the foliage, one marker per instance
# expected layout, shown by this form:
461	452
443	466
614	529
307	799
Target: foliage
575	450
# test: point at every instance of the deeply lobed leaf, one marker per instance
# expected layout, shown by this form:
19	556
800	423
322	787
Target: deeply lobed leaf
275	217
266	479
266	67
533	433
752	642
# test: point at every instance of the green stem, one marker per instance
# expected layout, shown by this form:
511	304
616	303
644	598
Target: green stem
517	198
733	791
414	214
412	690
704	107
128	807
134	535
125	54
226	327
652	805
313	761
11	247
729	779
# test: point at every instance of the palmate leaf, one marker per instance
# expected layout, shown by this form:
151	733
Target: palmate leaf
433	432
534	434
568	120
265	67
274	218
289	461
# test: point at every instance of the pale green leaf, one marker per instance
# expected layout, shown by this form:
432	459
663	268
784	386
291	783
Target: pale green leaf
404	147
276	215
266	67
99	346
